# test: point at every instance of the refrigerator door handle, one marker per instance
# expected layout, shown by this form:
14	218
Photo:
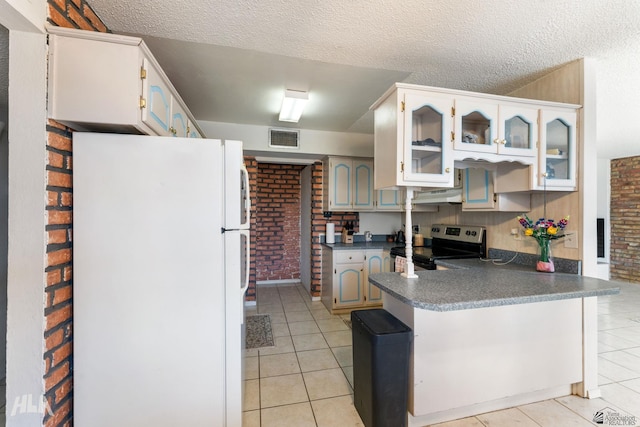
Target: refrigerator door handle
245	285
247	199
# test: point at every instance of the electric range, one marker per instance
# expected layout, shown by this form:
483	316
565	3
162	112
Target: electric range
447	242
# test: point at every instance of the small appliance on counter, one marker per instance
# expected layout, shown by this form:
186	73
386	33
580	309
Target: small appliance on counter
400	237
368	237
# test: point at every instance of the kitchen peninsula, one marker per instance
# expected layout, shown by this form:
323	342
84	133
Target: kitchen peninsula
490	338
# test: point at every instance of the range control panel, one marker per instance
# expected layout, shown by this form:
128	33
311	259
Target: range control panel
459	233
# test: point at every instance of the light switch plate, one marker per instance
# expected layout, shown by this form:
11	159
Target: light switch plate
571	240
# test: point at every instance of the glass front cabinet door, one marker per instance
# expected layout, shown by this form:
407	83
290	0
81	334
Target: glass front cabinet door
485	127
427	140
557	156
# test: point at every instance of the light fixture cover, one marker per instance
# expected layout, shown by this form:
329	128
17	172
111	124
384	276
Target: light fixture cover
292	105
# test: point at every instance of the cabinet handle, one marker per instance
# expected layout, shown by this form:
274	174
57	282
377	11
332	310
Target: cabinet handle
173	130
447	170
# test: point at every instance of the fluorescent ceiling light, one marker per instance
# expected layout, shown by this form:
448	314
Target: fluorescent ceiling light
292	105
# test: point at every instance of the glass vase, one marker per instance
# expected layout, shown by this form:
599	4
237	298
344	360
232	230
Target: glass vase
545	263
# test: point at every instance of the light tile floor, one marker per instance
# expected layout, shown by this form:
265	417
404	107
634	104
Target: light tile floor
306	379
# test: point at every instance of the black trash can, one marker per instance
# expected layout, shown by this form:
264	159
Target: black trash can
381	348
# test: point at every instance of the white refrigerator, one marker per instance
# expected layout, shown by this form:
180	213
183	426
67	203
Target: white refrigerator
161	252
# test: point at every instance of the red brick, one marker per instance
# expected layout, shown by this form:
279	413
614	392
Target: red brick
58	141
55	159
52	198
60	413
61	295
56	375
93	18
58	18
59	179
54	340
56	236
58	316
62	353
54	277
58	257
59	217
63	390
66	199
78	19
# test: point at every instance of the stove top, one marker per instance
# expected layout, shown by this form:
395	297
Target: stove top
449	242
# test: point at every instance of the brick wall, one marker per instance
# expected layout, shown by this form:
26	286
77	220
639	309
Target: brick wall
625	219
58	287
319	223
278	222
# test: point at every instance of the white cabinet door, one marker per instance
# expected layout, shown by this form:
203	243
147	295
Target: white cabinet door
388	200
475	127
477	189
428	159
348	284
362	184
339	176
156	108
557	155
179	120
517	131
348	184
479	194
374	263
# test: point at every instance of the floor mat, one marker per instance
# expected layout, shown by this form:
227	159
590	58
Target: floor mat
258	331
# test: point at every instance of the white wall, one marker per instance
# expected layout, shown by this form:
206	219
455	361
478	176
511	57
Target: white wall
313	144
380	222
305	228
26	236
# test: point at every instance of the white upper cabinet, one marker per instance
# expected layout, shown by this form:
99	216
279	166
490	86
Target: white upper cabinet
557	156
347	184
412	140
421	133
117	86
483	126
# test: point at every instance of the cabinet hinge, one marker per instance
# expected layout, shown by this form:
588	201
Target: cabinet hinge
402	167
335	300
453	111
402	106
143	73
453	136
188	130
495	198
143	103
365	297
335	271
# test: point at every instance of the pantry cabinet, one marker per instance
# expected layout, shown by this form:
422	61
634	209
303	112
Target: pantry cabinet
118	86
347	184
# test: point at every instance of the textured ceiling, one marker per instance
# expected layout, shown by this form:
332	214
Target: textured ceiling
231	61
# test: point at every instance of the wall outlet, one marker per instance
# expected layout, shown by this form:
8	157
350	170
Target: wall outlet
516	234
571	240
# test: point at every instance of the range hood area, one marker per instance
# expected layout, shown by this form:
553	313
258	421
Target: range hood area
442	195
445	195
